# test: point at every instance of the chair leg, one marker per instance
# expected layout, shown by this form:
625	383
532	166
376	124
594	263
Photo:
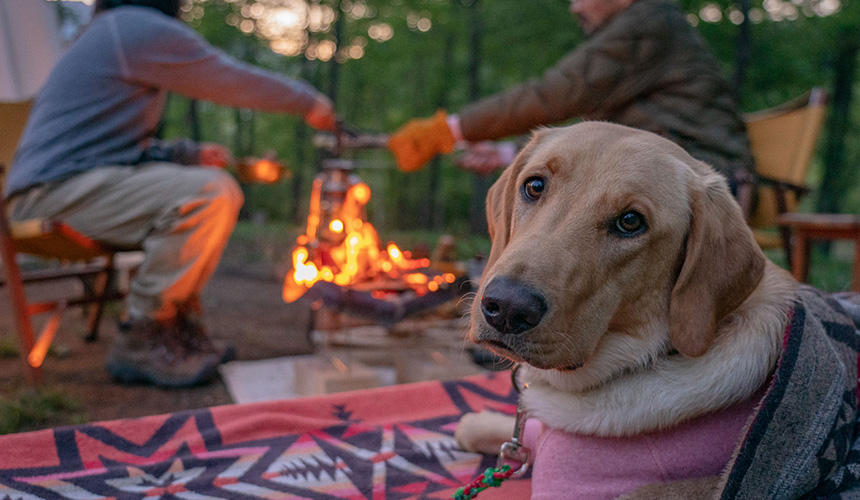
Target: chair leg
100	292
745	192
855	281
800	257
779	190
19	301
788	242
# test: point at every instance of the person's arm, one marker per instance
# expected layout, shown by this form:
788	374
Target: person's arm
617	64
485	157
621	62
187	152
181	151
162	52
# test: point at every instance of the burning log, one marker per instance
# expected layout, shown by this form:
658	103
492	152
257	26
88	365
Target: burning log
388	309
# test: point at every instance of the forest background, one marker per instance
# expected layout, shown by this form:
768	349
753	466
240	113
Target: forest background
384	62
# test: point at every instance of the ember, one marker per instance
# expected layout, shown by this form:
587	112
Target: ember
341	247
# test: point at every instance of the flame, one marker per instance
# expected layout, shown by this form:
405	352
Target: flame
343	248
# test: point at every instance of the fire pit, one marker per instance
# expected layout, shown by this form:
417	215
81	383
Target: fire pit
340	262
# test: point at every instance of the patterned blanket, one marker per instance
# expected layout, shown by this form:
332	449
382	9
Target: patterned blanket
389	443
803	441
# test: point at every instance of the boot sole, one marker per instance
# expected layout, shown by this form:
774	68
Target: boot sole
130	374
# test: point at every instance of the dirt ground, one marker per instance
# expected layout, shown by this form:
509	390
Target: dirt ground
243	305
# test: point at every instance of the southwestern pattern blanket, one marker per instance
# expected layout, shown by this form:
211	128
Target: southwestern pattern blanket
394	443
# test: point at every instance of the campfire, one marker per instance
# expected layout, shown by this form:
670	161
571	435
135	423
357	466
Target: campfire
341	259
359	289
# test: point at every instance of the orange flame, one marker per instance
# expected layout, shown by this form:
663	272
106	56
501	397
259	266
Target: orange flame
343	248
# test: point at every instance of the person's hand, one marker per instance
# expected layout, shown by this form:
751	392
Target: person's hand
484	157
420	140
215	155
322	115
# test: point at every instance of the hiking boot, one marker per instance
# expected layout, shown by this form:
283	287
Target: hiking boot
192	335
148	351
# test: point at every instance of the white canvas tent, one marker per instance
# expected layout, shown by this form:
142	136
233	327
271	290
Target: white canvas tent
29	46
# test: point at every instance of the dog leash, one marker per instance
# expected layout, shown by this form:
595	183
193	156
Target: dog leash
511	452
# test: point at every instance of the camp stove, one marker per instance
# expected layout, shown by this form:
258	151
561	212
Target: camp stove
339	261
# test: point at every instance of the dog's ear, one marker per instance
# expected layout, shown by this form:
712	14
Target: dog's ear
500	201
721	266
499	211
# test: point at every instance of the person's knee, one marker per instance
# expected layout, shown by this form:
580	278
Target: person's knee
227	193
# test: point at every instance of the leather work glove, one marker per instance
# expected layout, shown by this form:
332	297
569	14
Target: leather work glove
215	155
322	115
417	142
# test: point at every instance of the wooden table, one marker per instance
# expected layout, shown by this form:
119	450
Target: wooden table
806	227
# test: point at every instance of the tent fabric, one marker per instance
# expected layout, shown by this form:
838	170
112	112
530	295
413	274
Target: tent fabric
29	46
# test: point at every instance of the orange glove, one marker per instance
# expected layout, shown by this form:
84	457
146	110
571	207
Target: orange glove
322	116
420	140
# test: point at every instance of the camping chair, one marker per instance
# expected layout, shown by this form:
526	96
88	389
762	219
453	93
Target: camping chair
782	140
72	255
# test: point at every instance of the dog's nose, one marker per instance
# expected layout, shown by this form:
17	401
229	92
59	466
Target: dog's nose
511	307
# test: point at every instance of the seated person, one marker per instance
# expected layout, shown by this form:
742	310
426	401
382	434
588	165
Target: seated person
89	156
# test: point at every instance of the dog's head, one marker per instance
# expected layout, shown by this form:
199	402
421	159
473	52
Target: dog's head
610	246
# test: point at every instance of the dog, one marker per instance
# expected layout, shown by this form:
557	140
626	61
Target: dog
625	281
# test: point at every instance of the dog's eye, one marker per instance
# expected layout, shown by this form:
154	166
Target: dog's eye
533	188
630	223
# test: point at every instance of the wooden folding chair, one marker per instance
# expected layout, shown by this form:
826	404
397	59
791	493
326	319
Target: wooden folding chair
69	254
783	141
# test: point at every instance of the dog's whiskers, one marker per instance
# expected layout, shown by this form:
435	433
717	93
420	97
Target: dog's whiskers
466	299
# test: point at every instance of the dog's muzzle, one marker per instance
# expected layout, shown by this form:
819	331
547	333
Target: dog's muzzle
512	307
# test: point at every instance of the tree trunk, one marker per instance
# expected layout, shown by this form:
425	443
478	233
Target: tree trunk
239	134
334	65
837	177
300	169
434	209
742	51
193	118
480	183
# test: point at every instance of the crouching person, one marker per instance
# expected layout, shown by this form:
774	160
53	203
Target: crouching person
89	156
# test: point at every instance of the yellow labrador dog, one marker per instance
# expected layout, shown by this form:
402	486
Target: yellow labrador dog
625	280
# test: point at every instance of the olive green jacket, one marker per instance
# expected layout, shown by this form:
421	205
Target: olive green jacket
645	68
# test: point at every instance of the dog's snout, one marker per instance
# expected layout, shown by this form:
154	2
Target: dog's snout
511	307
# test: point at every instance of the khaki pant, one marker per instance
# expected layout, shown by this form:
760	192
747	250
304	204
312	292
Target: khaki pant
181	217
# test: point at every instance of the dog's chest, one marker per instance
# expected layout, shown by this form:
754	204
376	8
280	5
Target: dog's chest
575	466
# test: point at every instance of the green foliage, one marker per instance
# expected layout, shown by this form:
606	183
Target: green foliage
32	409
829	271
416	72
8	347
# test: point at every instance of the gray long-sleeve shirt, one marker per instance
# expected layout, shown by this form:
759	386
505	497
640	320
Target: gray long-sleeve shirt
105	97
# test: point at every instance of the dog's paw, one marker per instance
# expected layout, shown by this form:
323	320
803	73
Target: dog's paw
484	432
